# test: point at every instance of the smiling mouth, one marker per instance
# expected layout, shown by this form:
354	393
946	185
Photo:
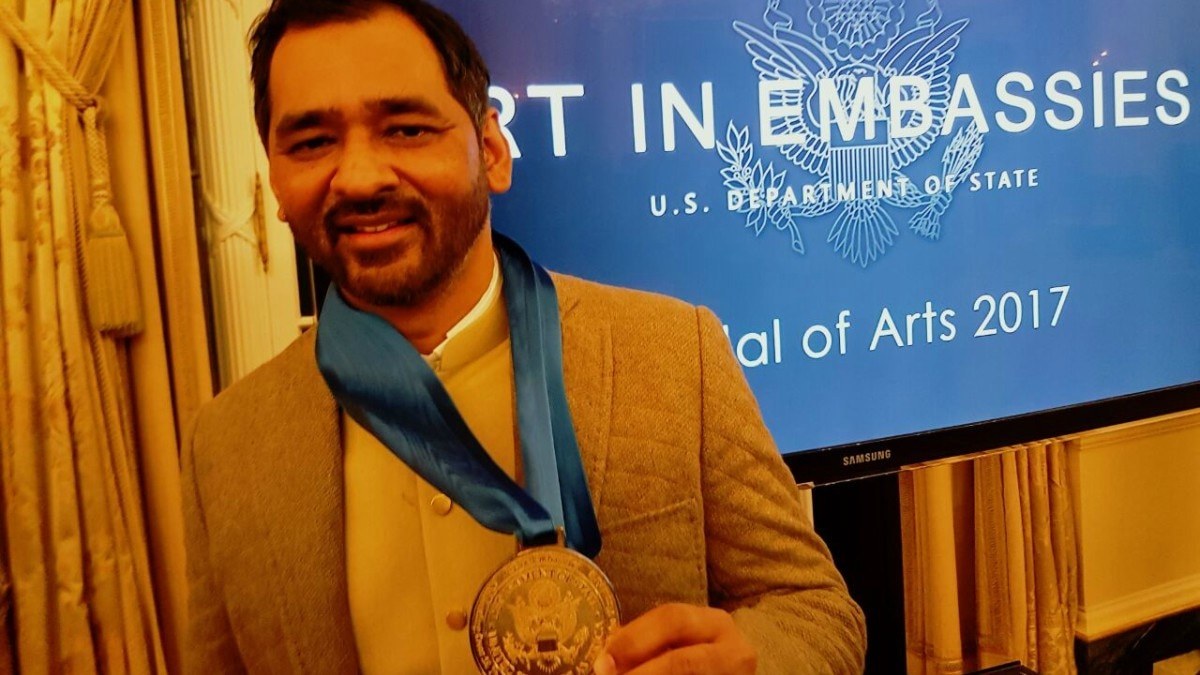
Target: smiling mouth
373	228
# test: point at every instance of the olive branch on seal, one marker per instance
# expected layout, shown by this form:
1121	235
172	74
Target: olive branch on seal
749	177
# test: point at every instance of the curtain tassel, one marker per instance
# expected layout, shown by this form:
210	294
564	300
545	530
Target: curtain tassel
113	303
109	276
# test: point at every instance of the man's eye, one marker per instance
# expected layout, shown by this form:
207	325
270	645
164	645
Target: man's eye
310	144
406	131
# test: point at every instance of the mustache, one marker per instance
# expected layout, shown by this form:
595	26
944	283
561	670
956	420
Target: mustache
389	206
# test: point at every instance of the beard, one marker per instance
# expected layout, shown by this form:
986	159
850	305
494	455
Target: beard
408	273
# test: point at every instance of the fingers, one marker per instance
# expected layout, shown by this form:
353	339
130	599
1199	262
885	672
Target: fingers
663	628
691	660
678	639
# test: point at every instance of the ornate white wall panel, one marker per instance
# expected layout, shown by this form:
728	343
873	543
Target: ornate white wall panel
251	261
1138	522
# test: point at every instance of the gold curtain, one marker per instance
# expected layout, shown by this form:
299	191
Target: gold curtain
92	394
169	362
990	562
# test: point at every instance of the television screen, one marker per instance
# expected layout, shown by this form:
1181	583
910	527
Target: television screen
915	218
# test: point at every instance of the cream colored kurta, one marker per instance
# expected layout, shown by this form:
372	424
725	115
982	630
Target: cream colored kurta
414	560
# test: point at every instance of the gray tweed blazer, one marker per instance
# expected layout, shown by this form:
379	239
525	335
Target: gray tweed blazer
693	500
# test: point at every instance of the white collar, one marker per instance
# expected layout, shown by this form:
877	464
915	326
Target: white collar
434	358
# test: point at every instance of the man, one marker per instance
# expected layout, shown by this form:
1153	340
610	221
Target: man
312	548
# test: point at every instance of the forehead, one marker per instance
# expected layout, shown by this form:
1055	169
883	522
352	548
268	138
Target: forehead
343	63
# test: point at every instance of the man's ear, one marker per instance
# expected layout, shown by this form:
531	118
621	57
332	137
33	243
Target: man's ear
275	191
497	155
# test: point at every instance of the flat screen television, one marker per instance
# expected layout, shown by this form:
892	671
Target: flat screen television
930	227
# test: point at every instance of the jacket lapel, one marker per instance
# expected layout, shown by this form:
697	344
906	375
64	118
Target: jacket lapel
306	499
588	375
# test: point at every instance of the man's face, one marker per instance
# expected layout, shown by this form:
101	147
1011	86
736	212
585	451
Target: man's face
380	172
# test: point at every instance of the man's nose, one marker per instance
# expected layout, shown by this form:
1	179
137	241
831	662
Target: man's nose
364	171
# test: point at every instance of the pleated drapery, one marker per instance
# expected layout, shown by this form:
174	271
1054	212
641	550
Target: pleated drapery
990	562
79	596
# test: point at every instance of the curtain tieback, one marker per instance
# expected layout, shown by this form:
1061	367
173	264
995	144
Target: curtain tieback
109	276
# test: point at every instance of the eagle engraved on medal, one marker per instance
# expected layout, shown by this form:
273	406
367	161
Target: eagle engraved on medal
545	628
547	611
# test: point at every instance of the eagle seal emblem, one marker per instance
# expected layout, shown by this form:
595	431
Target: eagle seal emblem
849	44
548	611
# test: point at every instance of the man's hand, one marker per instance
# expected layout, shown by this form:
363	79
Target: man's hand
678	639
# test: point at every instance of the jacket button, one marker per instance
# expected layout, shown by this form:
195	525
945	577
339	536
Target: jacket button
456	620
441	504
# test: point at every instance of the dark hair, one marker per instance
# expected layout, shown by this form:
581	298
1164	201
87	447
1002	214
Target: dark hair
464	68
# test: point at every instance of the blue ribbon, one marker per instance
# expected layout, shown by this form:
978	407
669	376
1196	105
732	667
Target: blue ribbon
380	379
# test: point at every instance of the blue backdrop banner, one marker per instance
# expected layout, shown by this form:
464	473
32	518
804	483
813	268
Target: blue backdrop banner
910	214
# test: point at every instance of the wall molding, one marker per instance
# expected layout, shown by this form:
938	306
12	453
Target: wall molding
1140	429
1113	616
